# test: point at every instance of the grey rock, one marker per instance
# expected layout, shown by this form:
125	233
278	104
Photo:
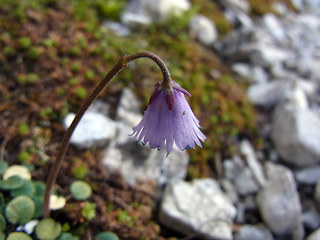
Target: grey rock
137	162
317	193
230	190
311	219
298	4
314	235
296	133
253	232
255	74
239	19
144	12
94	130
308	175
241	176
128	110
199	206
279	202
253	163
118	28
267	94
267	55
242	5
203	29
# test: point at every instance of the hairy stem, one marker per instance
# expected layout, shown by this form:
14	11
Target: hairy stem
122	63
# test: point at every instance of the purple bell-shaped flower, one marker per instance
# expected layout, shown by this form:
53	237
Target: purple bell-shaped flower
169	119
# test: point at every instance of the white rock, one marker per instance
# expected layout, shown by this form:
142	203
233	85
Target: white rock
203	29
94	130
308	175
274	27
296	134
315	235
144	12
279	202
258	232
199	206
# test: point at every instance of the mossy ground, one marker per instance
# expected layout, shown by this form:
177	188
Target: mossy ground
55	52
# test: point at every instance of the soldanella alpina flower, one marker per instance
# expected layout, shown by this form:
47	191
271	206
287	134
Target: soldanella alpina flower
169	119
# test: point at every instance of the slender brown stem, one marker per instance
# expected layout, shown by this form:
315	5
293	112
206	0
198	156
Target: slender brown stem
122	63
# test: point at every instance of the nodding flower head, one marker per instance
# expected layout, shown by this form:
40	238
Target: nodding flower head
169	119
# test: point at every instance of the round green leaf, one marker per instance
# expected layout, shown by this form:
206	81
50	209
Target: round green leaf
18	236
40	188
13	182
2	223
27	189
3	166
38	201
106	236
48	229
67	236
1	200
20	210
80	190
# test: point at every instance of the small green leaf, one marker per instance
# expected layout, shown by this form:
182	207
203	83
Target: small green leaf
2	223
18	236
67	236
27	189
89	210
80	190
40	188
106	236
13	182
48	229
23	129
20	210
38	201
3	166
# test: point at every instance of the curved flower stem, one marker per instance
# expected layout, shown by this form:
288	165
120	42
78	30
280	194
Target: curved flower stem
122	63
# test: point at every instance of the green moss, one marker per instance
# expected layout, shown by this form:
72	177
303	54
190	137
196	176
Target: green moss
80	171
25	42
81	92
24	156
32	77
34	52
23	129
75	67
89	74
